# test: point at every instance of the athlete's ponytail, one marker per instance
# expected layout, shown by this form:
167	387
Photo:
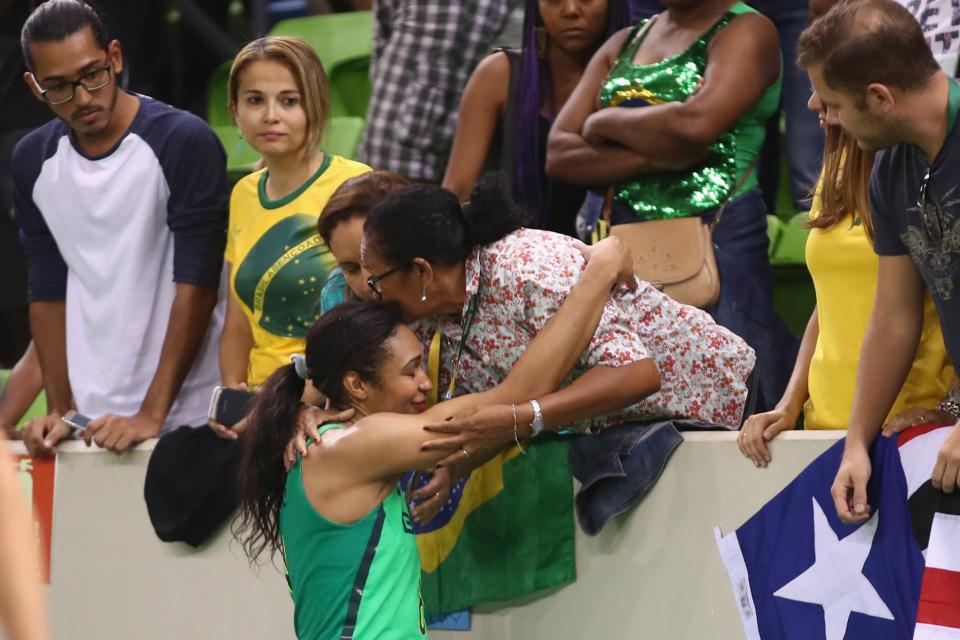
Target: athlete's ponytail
261	476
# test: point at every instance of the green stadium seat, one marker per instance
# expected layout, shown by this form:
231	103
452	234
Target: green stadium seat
793	293
793	241
38	408
343	135
774	232
218	114
344	43
241	157
350	88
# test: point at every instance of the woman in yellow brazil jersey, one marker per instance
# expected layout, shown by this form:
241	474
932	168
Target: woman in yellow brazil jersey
844	269
339	517
279	97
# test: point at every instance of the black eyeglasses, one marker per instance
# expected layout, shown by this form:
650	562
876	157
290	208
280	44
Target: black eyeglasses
374	281
64	90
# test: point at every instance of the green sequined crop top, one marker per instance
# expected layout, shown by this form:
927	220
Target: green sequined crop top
706	185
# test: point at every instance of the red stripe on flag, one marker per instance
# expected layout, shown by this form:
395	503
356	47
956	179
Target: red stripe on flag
914	432
940	598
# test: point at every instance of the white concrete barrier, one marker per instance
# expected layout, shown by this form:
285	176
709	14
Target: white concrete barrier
652	573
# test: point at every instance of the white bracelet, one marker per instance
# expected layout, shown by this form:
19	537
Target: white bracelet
516	437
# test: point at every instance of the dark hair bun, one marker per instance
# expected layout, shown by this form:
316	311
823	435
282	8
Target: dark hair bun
427	221
490	213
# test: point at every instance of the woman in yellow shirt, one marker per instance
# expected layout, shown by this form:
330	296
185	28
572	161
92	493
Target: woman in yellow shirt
843	266
278	262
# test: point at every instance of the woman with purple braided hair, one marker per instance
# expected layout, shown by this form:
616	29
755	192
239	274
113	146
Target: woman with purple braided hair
513	97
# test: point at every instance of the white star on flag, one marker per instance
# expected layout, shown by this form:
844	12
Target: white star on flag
836	581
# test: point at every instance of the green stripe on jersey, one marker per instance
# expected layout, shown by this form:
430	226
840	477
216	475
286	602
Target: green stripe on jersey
358	581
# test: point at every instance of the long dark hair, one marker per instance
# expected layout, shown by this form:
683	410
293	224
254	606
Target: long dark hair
427	221
535	85
350	337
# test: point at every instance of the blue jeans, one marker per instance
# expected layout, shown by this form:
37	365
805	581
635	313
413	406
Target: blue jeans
803	137
617	467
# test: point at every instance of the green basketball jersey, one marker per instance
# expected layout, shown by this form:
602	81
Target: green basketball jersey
357	581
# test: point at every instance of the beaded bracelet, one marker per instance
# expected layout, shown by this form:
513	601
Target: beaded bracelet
951	403
951	406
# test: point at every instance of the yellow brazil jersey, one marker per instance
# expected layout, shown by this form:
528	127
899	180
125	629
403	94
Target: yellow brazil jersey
279	262
844	270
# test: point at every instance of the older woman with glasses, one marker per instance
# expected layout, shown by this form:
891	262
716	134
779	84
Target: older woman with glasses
485	285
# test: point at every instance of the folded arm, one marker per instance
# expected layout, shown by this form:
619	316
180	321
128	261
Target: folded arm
571	156
744	62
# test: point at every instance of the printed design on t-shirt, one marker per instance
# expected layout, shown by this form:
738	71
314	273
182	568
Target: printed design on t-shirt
935	243
940	21
280	277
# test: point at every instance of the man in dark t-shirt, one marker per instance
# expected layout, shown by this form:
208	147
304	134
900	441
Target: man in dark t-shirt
876	78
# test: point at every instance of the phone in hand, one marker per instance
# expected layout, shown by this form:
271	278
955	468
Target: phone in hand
229	406
76	421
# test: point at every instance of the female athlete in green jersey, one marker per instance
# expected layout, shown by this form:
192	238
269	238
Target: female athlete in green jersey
339	517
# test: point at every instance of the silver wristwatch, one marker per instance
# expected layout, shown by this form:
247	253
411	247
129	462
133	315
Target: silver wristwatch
537	425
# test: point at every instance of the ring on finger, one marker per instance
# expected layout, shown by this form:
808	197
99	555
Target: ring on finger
466	455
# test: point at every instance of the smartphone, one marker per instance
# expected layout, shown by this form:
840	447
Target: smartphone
229	406
76	421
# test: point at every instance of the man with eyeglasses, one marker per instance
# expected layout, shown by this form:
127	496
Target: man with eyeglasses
122	207
875	76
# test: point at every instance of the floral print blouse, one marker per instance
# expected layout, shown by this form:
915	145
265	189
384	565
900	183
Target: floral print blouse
522	280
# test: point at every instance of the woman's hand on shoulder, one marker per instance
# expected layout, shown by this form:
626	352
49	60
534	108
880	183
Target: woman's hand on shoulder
309	421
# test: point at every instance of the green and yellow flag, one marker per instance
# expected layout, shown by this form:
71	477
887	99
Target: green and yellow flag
506	531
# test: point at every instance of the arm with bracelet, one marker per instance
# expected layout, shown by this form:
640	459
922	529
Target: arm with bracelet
617	372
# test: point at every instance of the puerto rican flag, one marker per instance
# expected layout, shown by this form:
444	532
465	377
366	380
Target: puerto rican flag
798	572
936	527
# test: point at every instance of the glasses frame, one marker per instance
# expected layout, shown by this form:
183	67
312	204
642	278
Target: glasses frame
374	281
108	67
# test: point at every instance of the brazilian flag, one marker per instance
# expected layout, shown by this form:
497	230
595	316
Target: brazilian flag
506	531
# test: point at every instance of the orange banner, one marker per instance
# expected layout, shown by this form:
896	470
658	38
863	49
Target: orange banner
37	477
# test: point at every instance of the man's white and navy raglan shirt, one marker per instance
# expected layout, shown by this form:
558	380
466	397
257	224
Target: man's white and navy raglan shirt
112	235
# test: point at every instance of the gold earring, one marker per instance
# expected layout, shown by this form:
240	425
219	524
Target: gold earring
423	295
